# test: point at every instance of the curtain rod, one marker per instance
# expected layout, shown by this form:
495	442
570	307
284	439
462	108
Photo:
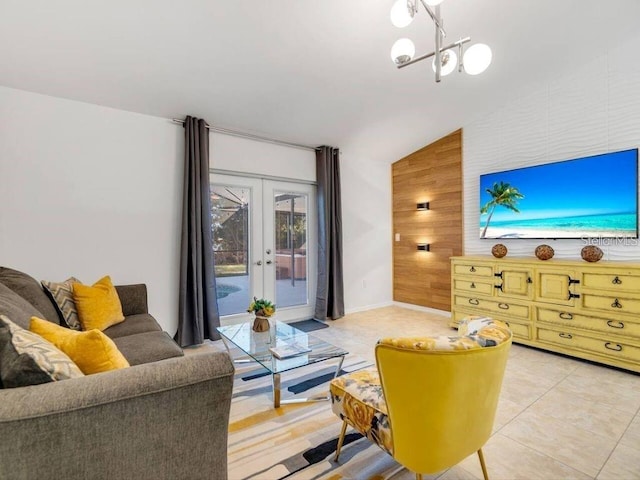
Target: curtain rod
235	133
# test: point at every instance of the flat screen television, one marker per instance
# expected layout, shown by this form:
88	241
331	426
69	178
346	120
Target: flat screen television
582	198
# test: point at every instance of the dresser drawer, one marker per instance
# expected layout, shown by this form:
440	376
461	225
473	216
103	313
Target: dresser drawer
619	326
623	282
469	269
474	286
519	330
506	309
606	347
611	303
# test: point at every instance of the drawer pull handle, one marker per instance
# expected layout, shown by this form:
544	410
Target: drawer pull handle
616	281
472	269
499	287
565	335
616	304
503	306
474	301
529	280
613	346
573	295
566	316
473	285
572	280
499	275
615	324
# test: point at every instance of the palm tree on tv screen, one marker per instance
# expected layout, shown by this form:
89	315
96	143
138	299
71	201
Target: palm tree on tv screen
502	194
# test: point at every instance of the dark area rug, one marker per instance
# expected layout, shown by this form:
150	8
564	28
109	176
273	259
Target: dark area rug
309	325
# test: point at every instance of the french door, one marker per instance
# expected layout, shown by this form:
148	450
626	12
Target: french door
264	245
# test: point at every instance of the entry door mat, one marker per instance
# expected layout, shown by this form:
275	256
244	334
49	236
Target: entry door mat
296	441
309	325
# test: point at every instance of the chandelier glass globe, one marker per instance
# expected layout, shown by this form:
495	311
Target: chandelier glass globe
477	58
400	14
402	51
449	61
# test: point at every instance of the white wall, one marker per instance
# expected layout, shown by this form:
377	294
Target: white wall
241	155
366	223
595	109
88	191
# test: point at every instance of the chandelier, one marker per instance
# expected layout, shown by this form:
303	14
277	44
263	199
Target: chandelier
474	60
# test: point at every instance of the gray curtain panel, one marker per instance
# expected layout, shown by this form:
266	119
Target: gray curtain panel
198	307
330	293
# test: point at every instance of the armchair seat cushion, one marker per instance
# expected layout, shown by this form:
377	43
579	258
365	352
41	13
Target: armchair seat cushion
357	398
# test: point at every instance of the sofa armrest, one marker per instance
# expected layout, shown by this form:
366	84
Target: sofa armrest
133	299
161	420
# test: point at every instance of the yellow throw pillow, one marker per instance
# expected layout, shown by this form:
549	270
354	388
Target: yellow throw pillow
92	351
98	305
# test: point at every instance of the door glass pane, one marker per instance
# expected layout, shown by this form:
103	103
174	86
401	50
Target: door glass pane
291	248
230	228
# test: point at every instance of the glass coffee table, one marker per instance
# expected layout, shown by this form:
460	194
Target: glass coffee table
282	338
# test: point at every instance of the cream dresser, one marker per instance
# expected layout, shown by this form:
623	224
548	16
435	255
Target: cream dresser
586	310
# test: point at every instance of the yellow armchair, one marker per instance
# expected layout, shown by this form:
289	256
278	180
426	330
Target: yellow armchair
431	401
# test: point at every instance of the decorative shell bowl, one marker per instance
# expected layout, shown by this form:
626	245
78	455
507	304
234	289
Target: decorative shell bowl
499	250
544	252
591	253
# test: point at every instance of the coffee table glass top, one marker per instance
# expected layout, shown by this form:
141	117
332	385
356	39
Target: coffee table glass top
280	334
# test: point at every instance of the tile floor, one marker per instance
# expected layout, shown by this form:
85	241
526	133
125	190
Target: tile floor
558	417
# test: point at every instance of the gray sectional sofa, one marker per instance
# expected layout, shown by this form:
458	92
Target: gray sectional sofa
165	417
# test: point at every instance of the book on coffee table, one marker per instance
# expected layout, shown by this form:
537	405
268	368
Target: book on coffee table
288	350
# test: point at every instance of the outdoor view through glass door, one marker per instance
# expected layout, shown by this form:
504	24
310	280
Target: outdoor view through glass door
264	245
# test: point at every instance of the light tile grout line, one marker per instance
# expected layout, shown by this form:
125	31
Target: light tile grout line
618	443
527	408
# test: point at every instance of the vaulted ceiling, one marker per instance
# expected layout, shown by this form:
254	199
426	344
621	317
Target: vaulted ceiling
306	71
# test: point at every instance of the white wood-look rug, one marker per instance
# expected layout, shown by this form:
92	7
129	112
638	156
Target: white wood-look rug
295	441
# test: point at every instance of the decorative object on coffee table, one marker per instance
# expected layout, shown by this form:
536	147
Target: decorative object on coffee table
544	252
499	250
262	309
591	253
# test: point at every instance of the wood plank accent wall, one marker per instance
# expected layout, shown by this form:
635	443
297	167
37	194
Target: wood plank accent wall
432	174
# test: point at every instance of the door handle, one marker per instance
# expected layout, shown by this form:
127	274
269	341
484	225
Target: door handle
269	262
259	262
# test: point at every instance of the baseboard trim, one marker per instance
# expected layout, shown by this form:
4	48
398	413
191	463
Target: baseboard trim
420	308
368	307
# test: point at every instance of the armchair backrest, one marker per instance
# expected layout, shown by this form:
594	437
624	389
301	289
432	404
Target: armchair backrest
442	392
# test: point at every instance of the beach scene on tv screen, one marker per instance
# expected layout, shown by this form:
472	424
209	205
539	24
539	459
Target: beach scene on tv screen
582	198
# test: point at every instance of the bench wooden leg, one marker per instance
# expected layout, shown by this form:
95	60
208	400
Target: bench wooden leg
341	440
484	467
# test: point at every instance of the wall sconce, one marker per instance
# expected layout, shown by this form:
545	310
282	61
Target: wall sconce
422	206
423	247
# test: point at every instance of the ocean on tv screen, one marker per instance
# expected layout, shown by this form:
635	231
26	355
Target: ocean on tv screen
586	197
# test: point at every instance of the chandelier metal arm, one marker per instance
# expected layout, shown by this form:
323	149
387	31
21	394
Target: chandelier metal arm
429	55
436	18
473	61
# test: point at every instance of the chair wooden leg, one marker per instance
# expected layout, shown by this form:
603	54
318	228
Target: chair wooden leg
484	467
340	440
418	476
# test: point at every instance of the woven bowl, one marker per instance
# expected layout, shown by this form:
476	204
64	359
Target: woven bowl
591	253
544	252
499	250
